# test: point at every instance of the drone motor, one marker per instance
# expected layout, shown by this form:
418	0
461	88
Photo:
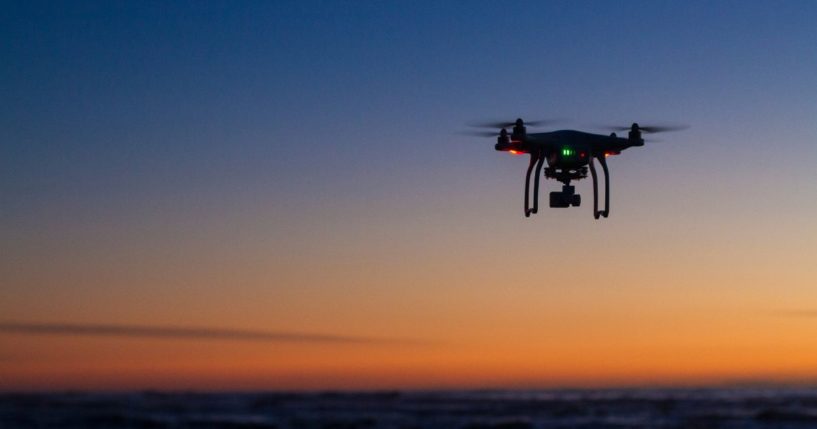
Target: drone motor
635	135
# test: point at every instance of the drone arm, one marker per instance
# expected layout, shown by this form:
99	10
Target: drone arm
533	158
541	157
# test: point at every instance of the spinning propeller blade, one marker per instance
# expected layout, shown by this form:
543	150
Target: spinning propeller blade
664	128
647	129
500	124
480	133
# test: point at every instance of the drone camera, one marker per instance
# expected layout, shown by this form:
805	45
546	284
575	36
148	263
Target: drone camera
562	200
566	198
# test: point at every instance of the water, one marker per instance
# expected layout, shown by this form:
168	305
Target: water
617	408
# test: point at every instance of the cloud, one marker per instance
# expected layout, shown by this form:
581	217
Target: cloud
192	333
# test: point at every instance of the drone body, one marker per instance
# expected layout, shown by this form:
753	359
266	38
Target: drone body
569	155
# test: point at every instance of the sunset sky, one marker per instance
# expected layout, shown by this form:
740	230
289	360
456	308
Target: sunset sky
299	168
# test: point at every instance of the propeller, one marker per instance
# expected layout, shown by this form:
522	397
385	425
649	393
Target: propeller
500	124
480	133
648	129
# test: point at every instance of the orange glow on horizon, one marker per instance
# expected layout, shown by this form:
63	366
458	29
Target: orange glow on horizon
659	303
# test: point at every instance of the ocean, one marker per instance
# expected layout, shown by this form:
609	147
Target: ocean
753	408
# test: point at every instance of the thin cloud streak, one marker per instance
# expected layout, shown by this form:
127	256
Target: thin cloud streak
797	313
193	333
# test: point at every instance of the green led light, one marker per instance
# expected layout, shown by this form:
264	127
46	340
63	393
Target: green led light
567	152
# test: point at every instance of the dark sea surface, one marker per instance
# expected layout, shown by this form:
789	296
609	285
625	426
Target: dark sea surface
617	408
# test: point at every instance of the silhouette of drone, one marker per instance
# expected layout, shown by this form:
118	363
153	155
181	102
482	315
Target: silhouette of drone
568	154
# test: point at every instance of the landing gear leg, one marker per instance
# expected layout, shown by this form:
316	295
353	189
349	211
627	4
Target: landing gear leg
596	212
603	163
536	182
533	158
595	189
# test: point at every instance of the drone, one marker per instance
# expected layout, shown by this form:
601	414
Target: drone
569	153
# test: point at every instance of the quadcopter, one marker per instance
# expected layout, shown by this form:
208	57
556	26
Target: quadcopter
569	153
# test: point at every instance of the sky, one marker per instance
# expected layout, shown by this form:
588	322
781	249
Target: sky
278	195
